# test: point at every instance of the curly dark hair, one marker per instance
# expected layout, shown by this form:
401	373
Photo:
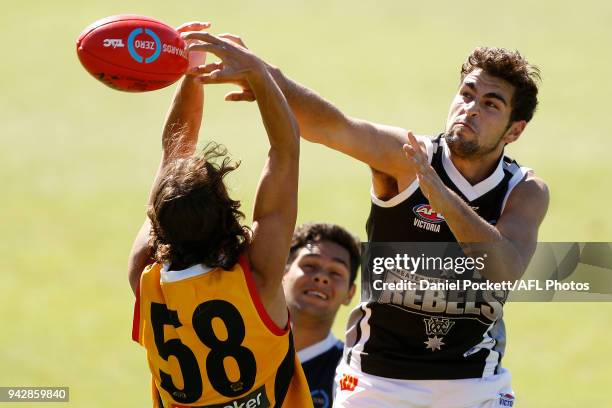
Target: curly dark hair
319	231
514	69
192	216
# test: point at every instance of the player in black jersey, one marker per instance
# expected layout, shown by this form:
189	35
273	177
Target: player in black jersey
319	278
420	349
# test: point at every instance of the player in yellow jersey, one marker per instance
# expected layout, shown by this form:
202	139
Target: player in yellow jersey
210	311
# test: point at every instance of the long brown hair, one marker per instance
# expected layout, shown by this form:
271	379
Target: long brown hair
192	216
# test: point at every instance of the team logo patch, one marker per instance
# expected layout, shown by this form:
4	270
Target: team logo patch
426	213
506	400
348	382
435	327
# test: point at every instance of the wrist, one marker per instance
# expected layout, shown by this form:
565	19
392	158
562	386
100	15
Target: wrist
191	82
258	76
276	73
442	200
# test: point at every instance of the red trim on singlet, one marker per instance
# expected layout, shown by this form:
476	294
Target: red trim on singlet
261	310
136	321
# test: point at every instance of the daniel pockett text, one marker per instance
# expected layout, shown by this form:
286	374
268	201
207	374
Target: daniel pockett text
526	285
446	266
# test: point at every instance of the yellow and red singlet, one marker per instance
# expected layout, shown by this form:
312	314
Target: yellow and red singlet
210	342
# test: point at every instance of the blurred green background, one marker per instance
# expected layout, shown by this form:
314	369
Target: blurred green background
78	159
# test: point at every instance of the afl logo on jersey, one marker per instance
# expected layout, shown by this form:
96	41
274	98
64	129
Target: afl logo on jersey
426	213
506	400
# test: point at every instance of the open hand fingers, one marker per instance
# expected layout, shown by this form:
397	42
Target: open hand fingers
413	155
218	49
203	36
415	143
193	26
222	76
243	95
414	150
234	38
205	69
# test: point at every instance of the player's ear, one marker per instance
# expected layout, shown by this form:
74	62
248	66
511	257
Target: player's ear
514	131
349	295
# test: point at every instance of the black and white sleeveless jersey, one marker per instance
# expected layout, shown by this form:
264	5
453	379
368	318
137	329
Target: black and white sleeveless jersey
319	362
422	334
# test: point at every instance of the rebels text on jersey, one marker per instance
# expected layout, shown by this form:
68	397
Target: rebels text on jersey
430	334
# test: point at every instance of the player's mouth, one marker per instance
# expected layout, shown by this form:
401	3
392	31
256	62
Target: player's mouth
316	294
465	125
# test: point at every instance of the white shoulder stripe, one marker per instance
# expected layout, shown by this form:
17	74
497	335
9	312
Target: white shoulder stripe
168	276
392	202
514	181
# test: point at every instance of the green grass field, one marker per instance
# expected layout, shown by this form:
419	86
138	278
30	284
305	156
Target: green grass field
78	160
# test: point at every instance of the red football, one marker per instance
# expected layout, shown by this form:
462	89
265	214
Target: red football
133	53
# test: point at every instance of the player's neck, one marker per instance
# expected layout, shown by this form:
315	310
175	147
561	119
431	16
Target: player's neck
308	331
476	170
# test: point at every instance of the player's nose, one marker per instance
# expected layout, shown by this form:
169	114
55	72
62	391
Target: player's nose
471	108
321	277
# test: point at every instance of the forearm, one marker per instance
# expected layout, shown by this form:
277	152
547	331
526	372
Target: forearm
275	209
140	255
476	236
317	118
182	125
179	138
280	124
379	146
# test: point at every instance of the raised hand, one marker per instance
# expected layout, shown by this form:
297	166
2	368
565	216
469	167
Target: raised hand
196	58
236	64
430	183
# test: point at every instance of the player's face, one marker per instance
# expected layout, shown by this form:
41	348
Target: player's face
478	121
317	281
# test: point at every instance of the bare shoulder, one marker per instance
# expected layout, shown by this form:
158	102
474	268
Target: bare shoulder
531	188
530	196
525	210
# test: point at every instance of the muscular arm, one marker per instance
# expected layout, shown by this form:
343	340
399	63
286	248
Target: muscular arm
183	120
513	238
179	139
275	210
378	146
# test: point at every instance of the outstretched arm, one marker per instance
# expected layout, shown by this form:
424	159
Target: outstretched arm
275	209
378	146
179	139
